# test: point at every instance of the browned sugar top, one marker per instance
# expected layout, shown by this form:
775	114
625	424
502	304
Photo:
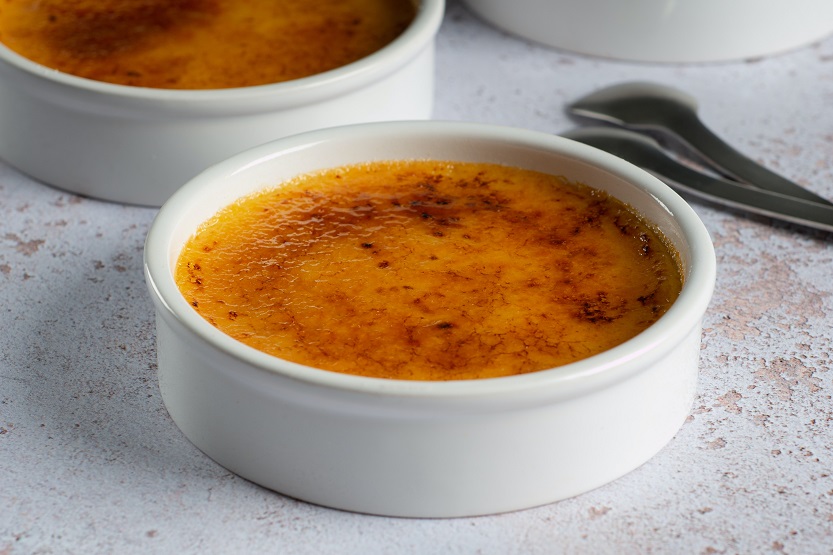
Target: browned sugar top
426	270
199	44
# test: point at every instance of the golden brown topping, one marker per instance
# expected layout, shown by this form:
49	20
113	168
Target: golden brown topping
200	44
430	271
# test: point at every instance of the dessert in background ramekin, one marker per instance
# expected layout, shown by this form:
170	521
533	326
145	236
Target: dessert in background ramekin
137	145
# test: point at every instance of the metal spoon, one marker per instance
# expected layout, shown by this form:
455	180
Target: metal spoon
647	153
652	107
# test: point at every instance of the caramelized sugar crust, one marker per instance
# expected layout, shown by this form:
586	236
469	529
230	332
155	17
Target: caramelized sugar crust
425	270
199	44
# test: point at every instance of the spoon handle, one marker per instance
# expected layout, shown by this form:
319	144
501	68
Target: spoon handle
646	153
732	163
654	107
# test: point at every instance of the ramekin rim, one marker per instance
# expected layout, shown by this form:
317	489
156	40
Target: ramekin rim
686	312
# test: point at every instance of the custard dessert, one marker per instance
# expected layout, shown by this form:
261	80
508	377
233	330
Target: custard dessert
200	44
429	270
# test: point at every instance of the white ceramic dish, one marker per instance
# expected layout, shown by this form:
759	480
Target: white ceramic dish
664	30
137	145
426	449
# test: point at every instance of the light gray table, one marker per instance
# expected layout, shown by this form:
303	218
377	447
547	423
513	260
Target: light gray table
90	462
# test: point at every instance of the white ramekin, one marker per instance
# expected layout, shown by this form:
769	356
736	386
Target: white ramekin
137	145
427	449
664	30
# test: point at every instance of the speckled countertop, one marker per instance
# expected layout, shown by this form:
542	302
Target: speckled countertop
90	462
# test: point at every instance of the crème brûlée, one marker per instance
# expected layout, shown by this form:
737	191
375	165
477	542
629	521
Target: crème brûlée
200	44
429	270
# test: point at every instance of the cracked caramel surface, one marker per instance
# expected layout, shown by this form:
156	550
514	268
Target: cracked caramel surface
199	44
426	270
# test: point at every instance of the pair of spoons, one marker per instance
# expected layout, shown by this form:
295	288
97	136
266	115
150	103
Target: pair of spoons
637	108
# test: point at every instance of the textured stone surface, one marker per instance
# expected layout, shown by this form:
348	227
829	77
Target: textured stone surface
90	461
